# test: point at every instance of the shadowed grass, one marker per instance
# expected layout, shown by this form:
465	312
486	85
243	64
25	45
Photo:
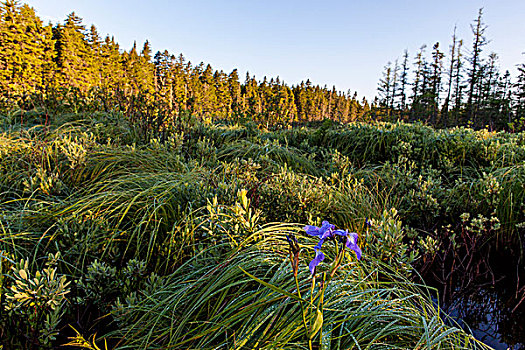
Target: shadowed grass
91	189
210	303
279	154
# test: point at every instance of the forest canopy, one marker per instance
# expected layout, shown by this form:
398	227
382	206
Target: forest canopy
68	67
68	64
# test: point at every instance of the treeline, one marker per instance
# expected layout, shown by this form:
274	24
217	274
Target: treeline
66	67
466	89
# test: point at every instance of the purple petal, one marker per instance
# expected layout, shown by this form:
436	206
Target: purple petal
351	243
357	251
326	234
326	229
312	230
326	226
319	244
352	236
341	232
319	256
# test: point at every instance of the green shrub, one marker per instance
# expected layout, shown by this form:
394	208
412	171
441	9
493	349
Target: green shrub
33	302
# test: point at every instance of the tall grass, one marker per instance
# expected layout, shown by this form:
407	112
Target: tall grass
210	303
176	225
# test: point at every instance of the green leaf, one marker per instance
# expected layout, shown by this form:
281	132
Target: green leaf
318	323
274	288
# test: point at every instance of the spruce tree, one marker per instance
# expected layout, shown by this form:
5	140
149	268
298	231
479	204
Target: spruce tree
395	83
403	80
478	29
385	88
519	99
454	61
435	83
26	55
420	64
458	87
234	87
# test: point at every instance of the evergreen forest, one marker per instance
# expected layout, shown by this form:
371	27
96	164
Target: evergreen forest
150	203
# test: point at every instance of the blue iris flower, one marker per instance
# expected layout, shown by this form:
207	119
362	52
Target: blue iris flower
327	231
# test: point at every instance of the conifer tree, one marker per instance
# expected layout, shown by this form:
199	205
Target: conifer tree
234	88
435	82
489	101
505	118
223	97
403	80
420	64
84	72
180	72
519	99
354	113
395	78
300	100
111	72
74	54
209	98
478	29
385	88
450	74
458	87
26	55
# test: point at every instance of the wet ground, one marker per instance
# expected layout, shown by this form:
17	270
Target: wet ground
489	297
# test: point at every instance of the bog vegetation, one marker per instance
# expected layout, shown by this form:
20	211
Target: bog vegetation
160	205
182	241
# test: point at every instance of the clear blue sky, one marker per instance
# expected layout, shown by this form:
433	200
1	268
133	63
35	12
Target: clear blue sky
345	43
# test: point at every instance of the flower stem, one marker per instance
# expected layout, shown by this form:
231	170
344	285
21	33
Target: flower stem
302	306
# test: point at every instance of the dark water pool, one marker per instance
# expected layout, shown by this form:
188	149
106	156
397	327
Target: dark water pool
494	318
489	298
